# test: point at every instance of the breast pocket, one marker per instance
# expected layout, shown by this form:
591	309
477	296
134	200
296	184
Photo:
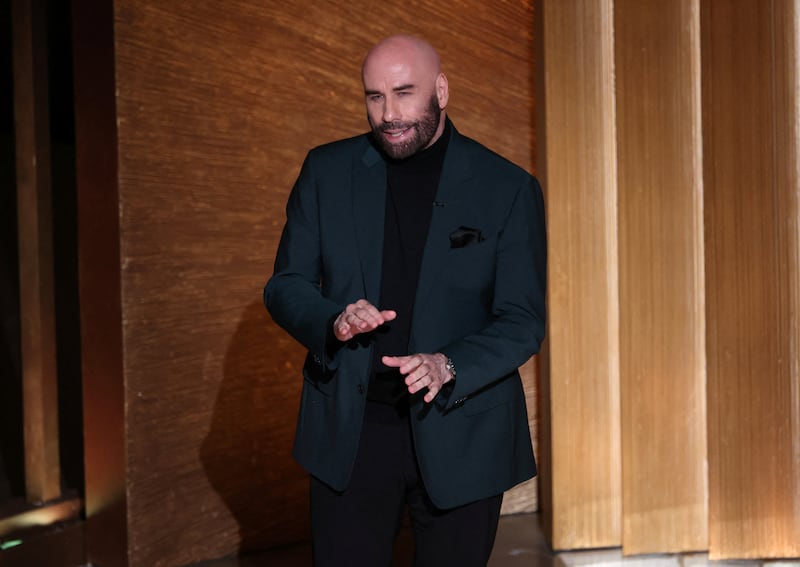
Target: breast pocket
474	265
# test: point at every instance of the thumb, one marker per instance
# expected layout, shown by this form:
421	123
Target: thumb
392	361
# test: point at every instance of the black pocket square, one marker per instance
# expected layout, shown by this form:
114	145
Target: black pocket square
464	236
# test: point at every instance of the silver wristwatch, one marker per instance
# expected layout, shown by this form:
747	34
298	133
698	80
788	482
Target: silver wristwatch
451	368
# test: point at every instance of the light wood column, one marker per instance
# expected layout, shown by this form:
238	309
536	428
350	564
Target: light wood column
750	129
576	154
662	323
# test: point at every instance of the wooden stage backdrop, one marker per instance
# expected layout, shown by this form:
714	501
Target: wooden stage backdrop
216	104
666	137
671	391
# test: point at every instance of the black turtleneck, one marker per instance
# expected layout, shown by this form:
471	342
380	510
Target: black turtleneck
410	192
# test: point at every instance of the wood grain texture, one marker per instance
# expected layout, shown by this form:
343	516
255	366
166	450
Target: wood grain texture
217	105
582	468
36	263
750	129
661	283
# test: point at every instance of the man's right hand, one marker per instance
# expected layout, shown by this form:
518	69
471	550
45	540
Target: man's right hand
360	317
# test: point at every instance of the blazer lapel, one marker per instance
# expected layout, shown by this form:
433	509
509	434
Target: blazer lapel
456	172
369	207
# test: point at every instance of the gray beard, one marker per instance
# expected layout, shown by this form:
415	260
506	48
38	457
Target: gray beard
424	131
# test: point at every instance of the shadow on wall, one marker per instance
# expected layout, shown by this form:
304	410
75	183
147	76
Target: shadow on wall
247	453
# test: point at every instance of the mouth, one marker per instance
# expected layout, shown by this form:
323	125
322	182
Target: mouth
397	134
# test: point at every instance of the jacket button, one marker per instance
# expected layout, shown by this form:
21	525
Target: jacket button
360	388
460	402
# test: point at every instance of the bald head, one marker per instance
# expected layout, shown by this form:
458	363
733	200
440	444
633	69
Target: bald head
406	94
404	49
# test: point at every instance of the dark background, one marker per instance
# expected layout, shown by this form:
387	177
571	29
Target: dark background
62	149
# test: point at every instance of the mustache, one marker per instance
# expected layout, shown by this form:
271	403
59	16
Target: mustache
396	126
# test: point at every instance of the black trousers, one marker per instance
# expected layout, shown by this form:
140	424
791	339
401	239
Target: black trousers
358	527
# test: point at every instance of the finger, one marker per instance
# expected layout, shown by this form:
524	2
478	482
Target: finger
341	328
368	317
415	365
346	335
353	318
432	391
416	386
360	317
423	376
415	377
361	320
428	381
394	361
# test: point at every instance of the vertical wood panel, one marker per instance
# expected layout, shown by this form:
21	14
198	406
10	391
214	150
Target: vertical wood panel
662	324
750	59
35	228
582	374
99	283
217	105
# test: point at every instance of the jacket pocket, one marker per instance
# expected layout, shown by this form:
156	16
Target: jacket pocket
317	376
473	266
499	394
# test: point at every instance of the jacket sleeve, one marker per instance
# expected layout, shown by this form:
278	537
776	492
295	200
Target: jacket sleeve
293	295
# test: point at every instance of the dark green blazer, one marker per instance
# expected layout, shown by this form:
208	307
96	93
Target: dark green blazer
480	300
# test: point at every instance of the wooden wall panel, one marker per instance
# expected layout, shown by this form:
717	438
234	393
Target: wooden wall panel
661	282
750	58
581	453
727	210
36	263
99	271
217	105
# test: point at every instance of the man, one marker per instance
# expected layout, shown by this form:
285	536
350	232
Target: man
412	267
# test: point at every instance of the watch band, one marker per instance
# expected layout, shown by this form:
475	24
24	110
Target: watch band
451	368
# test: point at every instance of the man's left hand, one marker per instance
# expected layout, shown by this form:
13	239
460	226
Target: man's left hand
421	371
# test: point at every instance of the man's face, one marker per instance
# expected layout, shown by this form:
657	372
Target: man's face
402	106
401	139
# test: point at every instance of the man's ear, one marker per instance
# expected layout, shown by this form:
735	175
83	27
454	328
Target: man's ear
442	91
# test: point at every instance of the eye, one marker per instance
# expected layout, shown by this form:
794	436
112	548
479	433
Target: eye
375	98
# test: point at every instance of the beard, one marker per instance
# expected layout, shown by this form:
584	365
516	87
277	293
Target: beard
424	130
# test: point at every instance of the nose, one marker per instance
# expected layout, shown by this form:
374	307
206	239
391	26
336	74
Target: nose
390	111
